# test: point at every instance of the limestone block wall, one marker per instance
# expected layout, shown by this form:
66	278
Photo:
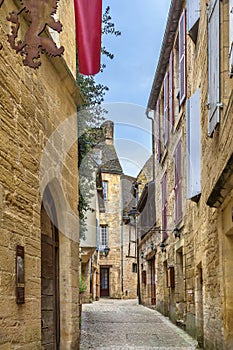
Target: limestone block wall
129	266
33	104
201	256
112	218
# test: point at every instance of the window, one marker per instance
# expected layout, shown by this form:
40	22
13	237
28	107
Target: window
231	37
193	146
213	65
193	16
171	92
182	58
105	190
103	237
178	183
159	130
164	206
134	267
166	108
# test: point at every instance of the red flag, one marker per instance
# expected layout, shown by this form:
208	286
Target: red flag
88	17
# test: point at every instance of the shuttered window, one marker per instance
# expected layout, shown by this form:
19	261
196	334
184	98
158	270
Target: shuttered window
166	107
231	37
178	182
213	65
164	206
171	91
193	146
159	130
105	190
193	16
182	58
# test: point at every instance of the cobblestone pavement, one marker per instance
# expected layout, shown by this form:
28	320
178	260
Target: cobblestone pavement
123	324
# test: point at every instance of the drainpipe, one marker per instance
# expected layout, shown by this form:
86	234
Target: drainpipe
153	140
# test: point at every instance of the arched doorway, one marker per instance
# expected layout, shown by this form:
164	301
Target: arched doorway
50	304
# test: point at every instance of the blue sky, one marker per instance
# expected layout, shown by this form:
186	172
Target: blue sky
130	74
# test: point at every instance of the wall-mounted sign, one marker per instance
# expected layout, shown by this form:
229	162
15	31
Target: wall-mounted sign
40	14
20	283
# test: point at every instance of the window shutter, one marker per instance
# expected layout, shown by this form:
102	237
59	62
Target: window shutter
231	37
159	129
213	65
164	206
178	182
97	236
193	16
193	145
166	105
171	92
182	58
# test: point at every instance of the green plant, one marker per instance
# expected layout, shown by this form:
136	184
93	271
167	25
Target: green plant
82	285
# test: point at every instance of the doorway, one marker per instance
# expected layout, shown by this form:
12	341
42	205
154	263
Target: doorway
153	281
104	282
50	305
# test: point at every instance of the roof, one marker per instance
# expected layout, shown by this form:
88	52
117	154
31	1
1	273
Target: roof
128	194
167	44
109	159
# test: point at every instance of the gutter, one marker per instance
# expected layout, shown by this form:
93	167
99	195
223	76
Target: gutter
175	11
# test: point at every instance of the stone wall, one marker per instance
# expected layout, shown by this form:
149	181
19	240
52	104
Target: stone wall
199	301
33	104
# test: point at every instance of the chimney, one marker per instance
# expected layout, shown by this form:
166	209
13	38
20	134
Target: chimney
108	130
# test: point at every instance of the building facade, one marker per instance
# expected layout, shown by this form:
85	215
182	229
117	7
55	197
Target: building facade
39	241
191	99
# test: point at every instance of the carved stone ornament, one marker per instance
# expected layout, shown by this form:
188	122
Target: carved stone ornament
39	14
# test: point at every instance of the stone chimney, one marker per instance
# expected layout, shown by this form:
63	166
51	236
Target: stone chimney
108	130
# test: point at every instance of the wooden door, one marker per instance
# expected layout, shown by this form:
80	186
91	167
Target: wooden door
104	282
50	319
153	282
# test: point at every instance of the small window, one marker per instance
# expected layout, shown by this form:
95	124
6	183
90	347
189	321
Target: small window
134	267
105	190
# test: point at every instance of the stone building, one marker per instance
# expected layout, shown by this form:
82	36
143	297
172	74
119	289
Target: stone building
117	276
191	99
39	249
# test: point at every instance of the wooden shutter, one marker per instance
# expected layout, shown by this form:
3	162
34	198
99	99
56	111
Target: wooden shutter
171	277
171	91
166	106
178	182
159	129
182	58
231	37
193	145
193	16
213	65
164	206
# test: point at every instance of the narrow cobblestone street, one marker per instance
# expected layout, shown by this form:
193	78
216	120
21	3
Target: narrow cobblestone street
123	324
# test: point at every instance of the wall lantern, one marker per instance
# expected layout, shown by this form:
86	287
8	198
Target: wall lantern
176	232
163	247
106	251
142	255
